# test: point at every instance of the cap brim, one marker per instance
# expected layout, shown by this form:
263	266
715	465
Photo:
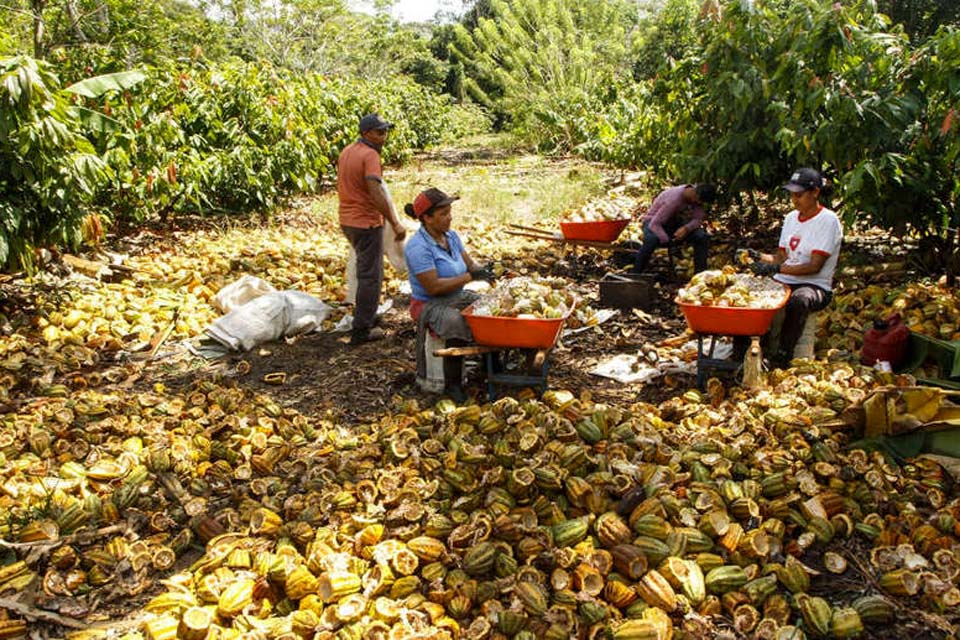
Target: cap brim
446	201
794	188
377	127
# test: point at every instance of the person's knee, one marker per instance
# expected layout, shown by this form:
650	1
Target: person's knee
649	246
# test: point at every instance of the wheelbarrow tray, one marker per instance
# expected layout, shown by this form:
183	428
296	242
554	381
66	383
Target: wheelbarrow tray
598	230
731	321
521	333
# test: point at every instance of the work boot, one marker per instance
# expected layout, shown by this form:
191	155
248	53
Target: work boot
456	393
361	336
780	360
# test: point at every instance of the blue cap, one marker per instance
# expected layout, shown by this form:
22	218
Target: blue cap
373	121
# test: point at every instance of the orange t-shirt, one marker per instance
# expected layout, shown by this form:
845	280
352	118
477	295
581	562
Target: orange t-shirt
357	208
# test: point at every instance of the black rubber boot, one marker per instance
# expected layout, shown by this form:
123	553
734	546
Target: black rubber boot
453	374
453	379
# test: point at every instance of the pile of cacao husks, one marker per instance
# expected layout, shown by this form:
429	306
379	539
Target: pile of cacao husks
715	514
708	515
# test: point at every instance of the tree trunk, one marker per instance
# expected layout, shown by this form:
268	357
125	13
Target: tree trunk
39	27
953	249
71	10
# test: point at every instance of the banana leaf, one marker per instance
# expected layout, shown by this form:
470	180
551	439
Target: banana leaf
98	85
96	121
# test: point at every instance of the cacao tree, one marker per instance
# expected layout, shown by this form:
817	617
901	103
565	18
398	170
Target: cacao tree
49	172
547	60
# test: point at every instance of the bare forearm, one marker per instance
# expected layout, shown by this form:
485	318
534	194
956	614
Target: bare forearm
444	286
809	268
376	191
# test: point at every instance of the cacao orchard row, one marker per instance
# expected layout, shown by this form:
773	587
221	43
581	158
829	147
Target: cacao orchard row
228	138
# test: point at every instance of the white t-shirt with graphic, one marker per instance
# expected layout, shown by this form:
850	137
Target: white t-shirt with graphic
822	234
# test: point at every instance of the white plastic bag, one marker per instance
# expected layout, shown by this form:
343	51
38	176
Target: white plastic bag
268	317
240	292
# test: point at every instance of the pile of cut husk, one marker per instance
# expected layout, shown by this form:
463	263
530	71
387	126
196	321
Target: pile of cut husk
521	518
711	513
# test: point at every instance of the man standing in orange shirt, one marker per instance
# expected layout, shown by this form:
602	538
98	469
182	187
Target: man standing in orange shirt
364	205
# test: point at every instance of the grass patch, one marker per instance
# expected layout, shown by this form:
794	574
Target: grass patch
524	189
497	184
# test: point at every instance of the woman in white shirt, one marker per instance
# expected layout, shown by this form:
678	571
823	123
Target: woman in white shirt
806	257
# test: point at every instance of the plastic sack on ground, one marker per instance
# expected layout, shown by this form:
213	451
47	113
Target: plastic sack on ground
240	292
268	317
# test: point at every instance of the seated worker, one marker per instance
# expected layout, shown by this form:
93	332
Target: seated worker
675	216
806	258
439	266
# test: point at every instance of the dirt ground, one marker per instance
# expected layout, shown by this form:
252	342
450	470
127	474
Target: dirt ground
324	374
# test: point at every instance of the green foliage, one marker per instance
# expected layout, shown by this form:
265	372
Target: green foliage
544	62
666	34
921	18
633	130
110	35
228	138
912	184
816	84
240	137
49	173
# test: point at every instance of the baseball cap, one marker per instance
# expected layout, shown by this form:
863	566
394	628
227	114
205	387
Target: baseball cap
430	199
373	121
804	179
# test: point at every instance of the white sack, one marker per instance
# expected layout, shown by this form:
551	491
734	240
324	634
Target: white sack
240	292
268	317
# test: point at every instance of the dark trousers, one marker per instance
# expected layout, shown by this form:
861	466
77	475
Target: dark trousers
368	245
804	300
698	238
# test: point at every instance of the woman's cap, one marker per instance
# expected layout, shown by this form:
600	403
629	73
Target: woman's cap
373	121
804	179
430	199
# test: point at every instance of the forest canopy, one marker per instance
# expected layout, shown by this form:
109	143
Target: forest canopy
236	104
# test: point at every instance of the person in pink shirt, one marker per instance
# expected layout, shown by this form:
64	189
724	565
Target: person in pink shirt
676	216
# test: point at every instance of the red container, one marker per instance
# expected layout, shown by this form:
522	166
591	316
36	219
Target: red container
885	341
525	333
600	231
731	321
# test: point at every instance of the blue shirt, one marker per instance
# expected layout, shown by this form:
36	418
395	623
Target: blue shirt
423	253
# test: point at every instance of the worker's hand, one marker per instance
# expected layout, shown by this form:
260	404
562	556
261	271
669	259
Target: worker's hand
680	233
746	256
399	231
765	268
482	273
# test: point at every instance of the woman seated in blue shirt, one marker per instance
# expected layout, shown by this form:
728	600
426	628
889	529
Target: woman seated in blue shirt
439	266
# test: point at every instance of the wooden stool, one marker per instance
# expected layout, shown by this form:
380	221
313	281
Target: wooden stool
808	338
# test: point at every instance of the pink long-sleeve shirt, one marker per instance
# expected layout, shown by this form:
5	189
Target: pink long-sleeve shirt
669	203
